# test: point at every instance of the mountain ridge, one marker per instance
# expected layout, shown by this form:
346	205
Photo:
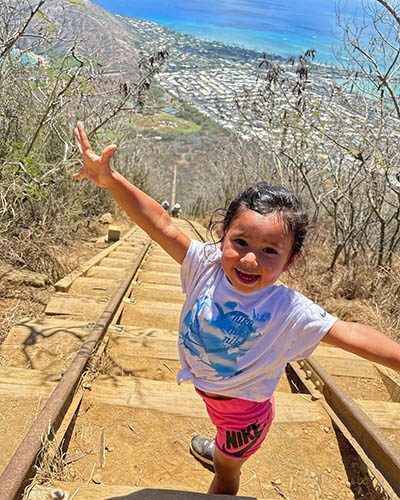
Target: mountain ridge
99	33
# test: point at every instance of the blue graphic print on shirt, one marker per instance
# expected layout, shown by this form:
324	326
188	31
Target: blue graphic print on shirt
219	335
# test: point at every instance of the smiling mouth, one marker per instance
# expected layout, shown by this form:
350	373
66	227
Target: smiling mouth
246	278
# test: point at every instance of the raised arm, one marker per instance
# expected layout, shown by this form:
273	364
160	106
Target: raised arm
366	342
145	211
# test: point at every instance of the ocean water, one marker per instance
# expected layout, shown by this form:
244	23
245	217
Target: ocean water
283	27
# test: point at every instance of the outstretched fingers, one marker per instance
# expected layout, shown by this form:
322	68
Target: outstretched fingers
95	168
108	151
83	141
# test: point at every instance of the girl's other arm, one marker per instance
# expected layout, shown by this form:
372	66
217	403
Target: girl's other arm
366	342
145	211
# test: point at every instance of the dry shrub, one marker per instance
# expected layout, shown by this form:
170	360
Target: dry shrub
36	251
26	294
18	301
355	293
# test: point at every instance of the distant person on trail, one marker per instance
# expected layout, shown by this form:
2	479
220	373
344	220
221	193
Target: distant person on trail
165	205
238	329
176	211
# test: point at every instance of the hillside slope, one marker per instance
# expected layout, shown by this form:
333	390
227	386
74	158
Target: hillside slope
98	32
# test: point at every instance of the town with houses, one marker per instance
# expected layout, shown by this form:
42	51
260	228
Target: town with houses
212	76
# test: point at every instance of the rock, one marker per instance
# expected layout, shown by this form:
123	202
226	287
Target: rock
57	494
106	219
28	278
96	479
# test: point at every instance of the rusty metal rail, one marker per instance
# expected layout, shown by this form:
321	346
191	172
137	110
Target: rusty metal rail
49	419
374	448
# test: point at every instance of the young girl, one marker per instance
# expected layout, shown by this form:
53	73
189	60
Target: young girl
237	329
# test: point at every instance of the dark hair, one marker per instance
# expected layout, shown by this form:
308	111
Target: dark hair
265	198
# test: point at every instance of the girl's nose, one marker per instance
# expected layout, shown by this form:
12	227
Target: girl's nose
250	259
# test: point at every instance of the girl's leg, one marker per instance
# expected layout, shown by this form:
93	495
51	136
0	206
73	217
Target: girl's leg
227	474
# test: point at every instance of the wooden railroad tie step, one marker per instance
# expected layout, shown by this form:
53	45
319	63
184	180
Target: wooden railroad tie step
159	292
168	397
108	272
149	316
104	492
64	284
50	344
159	277
162	266
342	363
94	287
123	263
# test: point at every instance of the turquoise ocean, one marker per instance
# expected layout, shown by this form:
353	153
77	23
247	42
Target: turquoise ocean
275	26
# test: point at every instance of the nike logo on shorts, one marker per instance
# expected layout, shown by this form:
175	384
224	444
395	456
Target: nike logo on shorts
236	439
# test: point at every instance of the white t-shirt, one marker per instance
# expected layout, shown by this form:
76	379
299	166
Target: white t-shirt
237	344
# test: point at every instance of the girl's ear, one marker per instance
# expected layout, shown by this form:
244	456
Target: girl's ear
292	261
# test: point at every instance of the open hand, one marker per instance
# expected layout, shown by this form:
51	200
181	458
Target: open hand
95	168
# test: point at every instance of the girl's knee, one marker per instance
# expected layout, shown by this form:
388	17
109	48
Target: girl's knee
226	466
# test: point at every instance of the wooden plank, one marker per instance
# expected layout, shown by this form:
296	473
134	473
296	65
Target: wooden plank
64	284
65	304
391	379
131	347
51	358
139	332
359	368
114	233
31	332
159	256
167	293
134	392
21	383
106	272
43	344
329	351
120	263
159	305
125	253
386	415
105	492
149	317
164	267
159	277
94	287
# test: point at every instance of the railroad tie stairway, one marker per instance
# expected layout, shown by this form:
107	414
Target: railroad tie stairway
126	431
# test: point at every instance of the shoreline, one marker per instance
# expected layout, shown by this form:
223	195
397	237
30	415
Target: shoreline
243	51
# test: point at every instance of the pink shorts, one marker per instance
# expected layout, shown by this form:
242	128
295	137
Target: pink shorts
241	425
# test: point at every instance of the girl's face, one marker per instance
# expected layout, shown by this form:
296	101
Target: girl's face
256	251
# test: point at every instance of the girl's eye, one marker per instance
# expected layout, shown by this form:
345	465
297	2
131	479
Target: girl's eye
270	250
240	242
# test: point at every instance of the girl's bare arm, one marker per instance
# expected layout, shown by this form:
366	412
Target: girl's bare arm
145	211
366	342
